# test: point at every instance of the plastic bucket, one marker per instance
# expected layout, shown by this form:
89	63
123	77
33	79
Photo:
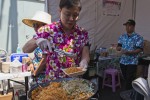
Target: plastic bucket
18	56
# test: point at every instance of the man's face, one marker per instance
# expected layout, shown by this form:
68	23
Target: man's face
69	17
130	28
36	26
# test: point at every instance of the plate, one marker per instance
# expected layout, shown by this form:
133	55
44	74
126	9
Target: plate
147	58
72	74
104	58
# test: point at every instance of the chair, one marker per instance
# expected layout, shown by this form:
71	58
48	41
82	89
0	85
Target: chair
113	73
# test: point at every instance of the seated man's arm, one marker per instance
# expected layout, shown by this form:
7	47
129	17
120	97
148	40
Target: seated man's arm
41	66
30	46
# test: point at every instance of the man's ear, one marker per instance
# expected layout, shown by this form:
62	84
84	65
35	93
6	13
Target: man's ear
59	10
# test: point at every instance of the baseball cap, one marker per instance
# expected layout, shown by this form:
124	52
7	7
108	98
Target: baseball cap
130	22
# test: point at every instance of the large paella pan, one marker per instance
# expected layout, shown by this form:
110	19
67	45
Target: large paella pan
63	89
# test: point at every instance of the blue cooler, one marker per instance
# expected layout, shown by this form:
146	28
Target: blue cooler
18	56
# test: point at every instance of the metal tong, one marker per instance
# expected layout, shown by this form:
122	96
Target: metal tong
61	52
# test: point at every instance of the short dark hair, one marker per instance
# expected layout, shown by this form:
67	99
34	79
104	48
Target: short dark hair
69	4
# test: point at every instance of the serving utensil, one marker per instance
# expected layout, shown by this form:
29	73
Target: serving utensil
61	52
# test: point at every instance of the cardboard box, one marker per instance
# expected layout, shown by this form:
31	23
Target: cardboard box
7	96
146	49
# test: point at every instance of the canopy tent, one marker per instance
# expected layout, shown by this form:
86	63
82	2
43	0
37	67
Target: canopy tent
103	19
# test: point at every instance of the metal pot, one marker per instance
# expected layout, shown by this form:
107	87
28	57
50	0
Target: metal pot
60	80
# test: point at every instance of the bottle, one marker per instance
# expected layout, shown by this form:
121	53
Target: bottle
18	50
24	64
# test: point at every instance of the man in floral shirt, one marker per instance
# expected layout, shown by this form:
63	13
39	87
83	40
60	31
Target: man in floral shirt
67	36
130	44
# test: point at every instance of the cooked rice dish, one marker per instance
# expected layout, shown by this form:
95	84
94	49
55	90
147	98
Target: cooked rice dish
76	89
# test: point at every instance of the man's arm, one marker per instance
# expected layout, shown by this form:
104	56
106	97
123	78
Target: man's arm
86	53
30	46
139	47
41	66
85	57
133	52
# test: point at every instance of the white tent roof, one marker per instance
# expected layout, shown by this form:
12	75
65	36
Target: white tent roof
103	19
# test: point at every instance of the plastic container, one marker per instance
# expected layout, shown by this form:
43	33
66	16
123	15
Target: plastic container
24	67
5	67
18	50
18	56
15	69
15	66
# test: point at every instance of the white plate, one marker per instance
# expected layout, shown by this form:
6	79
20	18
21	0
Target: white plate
147	58
75	73
104	58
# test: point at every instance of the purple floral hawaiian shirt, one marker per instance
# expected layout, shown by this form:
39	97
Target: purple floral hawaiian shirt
72	42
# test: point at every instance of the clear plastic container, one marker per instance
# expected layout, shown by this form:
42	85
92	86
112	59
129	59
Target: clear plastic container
5	67
24	67
24	64
18	50
15	66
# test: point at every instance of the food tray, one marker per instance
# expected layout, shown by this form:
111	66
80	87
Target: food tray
75	73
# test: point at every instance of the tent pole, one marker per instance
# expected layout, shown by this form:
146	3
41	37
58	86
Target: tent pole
134	9
46	6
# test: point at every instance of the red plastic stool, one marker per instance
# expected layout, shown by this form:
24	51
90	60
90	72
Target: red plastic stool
113	84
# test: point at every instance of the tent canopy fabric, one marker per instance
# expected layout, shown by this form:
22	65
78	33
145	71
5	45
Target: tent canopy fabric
103	19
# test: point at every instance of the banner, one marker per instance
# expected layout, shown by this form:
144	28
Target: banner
111	7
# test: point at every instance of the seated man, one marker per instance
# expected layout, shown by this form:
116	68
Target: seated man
39	19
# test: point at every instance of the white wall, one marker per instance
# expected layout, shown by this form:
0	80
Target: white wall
142	18
103	30
12	30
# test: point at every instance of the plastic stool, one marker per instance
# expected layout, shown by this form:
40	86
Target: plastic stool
113	73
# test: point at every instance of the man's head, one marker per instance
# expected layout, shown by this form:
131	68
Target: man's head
36	26
69	12
130	26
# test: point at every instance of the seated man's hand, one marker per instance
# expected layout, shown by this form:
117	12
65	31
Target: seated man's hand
43	44
125	52
31	68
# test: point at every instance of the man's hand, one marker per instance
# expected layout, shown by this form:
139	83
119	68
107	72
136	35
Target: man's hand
83	64
31	68
43	44
125	52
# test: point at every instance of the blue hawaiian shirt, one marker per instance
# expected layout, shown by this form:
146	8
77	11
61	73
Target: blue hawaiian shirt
38	56
129	43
